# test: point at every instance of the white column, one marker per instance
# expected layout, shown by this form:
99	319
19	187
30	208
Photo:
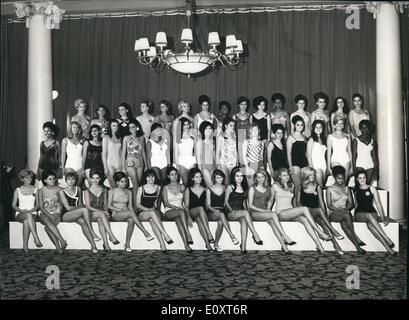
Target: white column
40	17
389	108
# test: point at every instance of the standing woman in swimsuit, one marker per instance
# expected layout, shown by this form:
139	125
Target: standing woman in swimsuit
242	123
102	115
340	203
341	110
276	150
357	114
120	204
278	115
71	150
366	196
223	113
260	203
365	152
310	195
172	198
205	152
297	149
166	118
339	148
147	200
185	111
92	152
301	102
203	115
283	195
316	149
184	149
195	204
261	118
215	207
49	150
158	151
226	148
234	201
321	113
125	115
146	119
81	117
98	207
134	155
26	210
253	153
111	152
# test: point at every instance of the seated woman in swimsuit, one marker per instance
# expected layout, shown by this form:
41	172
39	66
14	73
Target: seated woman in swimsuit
283	195
226	148
234	202
340	203
98	207
260	203
310	195
120	203
111	152
147	200
366	196
195	205
297	149
71	198
215	207
51	208
26	210
205	151
203	115
172	198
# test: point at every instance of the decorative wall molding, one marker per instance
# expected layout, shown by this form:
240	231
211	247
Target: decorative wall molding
51	13
375	7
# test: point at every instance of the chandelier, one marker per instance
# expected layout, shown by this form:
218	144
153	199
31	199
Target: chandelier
186	60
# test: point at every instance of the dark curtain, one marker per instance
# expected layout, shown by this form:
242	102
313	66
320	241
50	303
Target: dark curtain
288	52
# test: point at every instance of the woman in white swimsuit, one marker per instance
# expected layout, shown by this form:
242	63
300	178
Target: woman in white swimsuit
81	117
111	152
357	114
146	119
158	151
316	150
205	151
184	149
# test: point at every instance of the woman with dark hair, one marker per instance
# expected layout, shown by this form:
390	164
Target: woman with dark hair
49	150
158	151
185	111
92	152
184	149
242	122
276	150
340	110
166	118
81	117
253	152
146	119
71	150
301	102
310	195
147	202
357	114
223	113
172	198
260	203
215	207
205	151
278	115
111	152
204	114
195	204
234	201
340	203
226	148
316	149
366	196
365	152
297	149
51	209
125	115
120	203
25	204
321	113
71	198
260	117
102	116
283	194
133	154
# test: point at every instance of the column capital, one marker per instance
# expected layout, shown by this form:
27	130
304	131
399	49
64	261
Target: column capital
51	13
375	7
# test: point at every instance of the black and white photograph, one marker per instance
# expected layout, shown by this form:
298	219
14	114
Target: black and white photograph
227	151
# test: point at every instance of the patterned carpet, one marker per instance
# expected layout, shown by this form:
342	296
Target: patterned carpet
202	275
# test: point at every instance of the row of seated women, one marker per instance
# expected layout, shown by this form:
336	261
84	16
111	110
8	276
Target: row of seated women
221	202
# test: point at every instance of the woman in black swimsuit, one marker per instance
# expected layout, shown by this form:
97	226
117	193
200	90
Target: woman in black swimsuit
297	149
49	150
276	150
92	152
261	118
195	204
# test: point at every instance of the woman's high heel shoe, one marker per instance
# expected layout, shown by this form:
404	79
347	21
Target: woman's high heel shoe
260	242
170	241
290	243
106	248
235	241
286	252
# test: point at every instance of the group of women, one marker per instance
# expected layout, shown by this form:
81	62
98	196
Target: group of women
222	171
